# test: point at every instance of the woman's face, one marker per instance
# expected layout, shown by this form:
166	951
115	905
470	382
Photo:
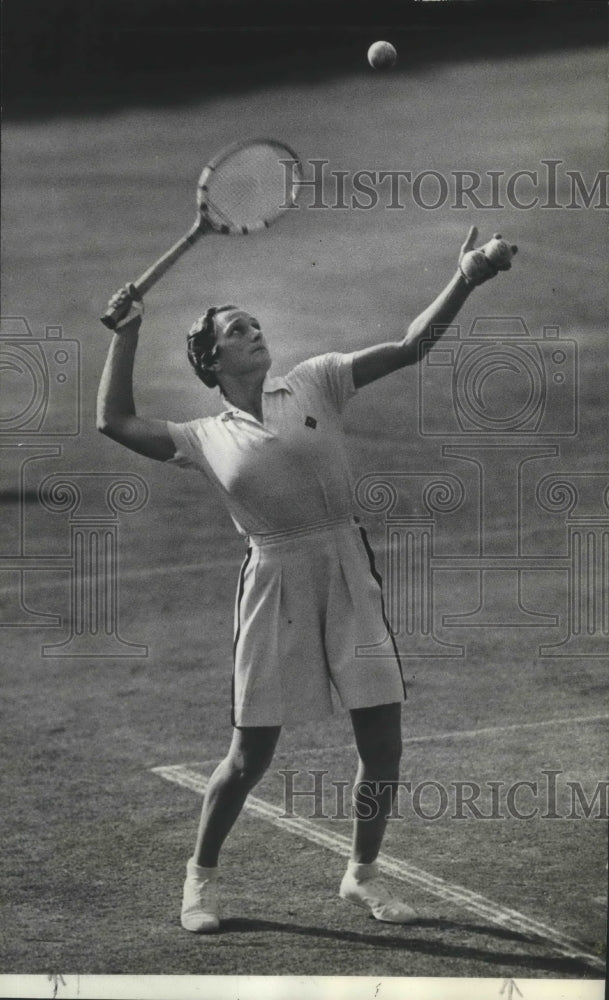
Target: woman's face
241	347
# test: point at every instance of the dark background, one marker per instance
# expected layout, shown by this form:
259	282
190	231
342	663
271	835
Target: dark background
74	55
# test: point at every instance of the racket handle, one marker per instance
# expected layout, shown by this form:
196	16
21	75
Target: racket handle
141	285
112	316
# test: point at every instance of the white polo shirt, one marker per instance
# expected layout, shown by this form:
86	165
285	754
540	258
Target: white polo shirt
289	471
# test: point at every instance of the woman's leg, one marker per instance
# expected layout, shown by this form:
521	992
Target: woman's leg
251	751
379	744
378	738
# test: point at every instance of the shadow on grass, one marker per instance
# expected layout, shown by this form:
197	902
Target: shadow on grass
95	56
437	945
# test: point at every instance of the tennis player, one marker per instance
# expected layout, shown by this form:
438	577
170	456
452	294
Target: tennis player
308	595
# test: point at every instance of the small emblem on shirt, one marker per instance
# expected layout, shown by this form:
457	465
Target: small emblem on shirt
311	422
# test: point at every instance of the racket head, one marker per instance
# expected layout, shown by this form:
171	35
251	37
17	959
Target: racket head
248	185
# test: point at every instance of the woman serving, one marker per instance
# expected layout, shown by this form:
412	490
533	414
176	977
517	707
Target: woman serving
308	595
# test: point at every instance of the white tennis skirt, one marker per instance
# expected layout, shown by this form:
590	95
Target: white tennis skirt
309	616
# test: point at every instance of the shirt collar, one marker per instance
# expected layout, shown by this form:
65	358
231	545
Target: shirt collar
270	384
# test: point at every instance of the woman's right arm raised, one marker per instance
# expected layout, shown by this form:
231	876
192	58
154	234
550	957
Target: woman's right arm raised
116	416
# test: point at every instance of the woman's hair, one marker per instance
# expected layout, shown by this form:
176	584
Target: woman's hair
202	345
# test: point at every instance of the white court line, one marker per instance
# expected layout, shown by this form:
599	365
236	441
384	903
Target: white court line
339	844
460	734
432	737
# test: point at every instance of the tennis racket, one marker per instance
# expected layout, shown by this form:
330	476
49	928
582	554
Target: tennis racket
241	190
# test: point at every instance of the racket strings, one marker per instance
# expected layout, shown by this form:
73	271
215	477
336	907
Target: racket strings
249	188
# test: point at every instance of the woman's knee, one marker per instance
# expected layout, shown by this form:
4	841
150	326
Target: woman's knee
250	754
378	735
381	750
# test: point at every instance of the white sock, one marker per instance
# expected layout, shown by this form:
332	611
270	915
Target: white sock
362	872
199	871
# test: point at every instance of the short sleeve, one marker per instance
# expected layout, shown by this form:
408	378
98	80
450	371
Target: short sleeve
332	375
188	453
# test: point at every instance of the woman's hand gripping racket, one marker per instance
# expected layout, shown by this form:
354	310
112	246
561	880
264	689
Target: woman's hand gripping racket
243	189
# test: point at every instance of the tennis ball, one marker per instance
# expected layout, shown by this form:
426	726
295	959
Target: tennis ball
382	55
499	252
479	265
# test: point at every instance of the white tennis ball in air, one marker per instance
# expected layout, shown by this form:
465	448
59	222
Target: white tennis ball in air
382	55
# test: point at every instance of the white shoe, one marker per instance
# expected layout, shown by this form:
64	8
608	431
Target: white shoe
371	893
200	900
